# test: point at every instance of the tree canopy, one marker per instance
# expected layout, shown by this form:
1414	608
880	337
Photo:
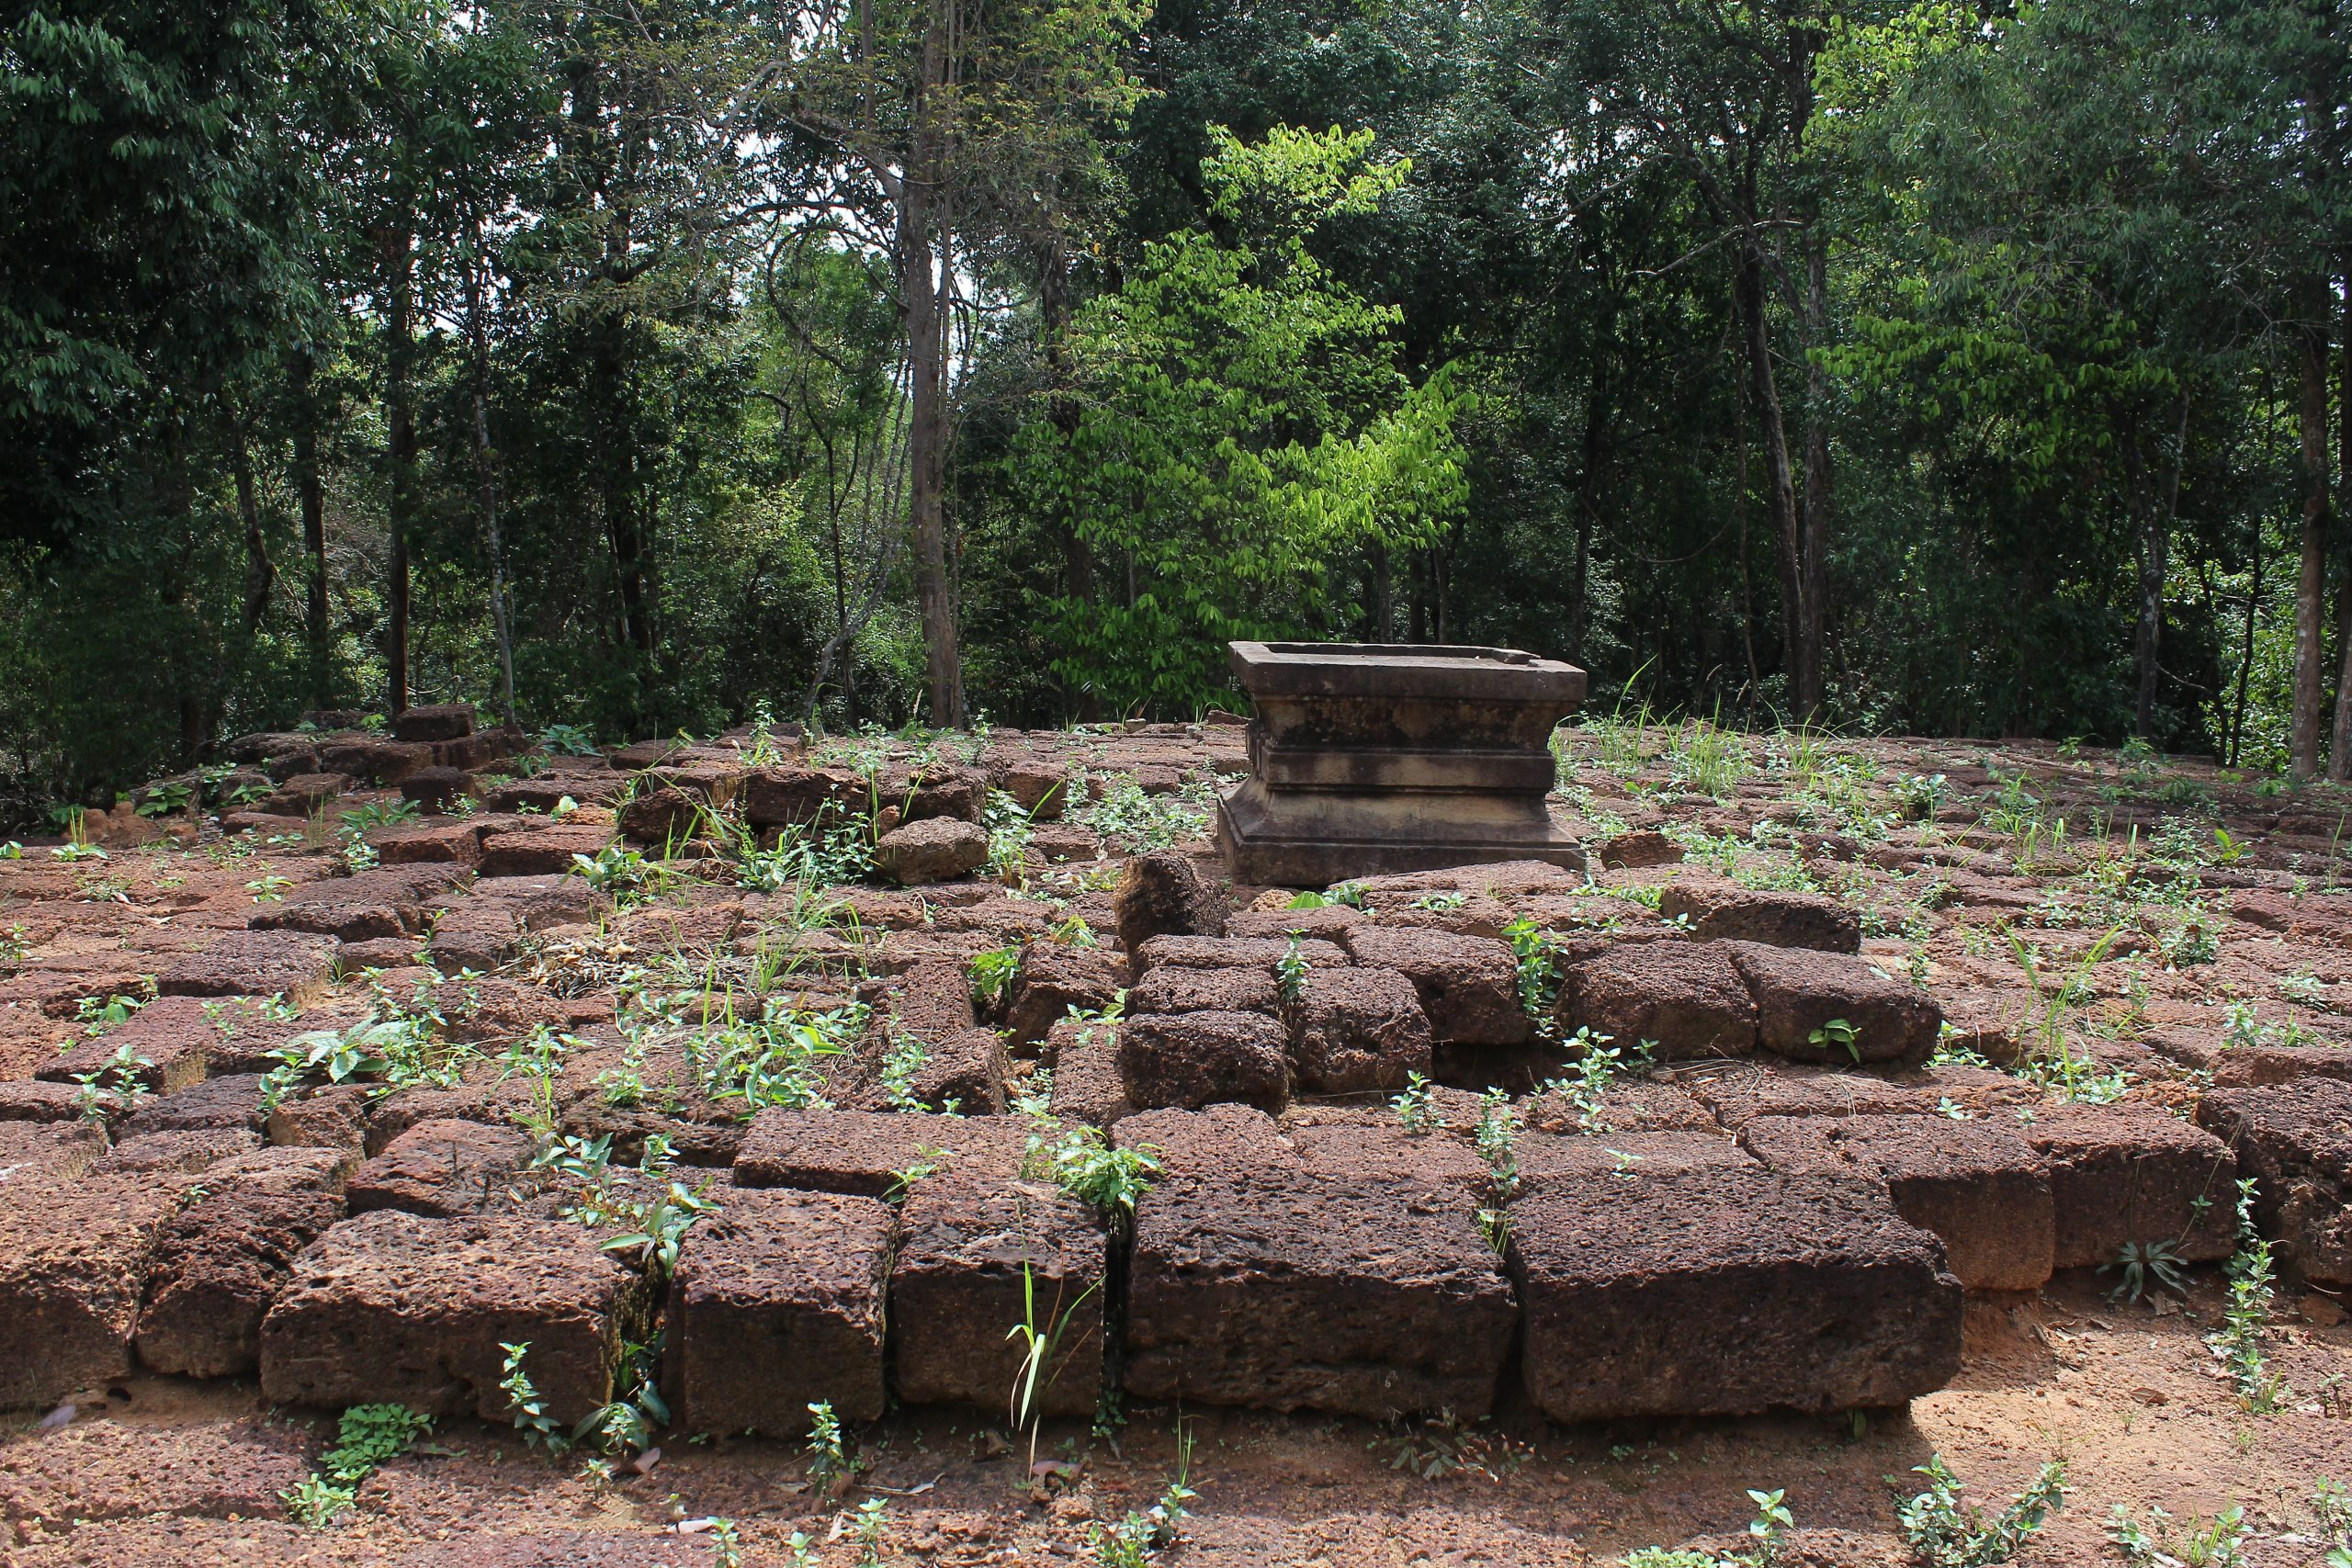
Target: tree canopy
647	367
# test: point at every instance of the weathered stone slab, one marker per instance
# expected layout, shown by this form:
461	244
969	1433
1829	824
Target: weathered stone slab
2121	1174
1720	909
1468	986
1267	1286
1981	1189
978	1256
1684	998
394	1307
223	1259
1199	1058
864	1152
778	1303
2295	1140
1728	1292
440	1169
296	965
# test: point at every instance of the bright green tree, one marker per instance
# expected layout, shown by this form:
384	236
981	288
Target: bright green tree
1243	426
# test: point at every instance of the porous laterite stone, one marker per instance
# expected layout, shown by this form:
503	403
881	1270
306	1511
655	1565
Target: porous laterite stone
778	1303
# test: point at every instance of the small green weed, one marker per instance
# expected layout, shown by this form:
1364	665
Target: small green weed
1946	1531
2247	1319
370	1436
2199	1542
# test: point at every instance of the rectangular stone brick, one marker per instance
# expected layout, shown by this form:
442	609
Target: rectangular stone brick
957	1291
392	1306
1729	1292
778	1303
863	1152
1269	1287
441	1169
1980	1188
223	1259
2295	1140
296	965
531	848
75	1255
2132	1173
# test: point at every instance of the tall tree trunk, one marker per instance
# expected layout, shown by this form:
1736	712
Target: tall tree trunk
485	467
1596	428
260	576
399	440
1078	555
2149	547
2339	756
927	410
2311	583
1748	293
1813	567
312	494
2155	567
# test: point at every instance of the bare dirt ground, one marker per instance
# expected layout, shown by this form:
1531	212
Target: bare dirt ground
2064	852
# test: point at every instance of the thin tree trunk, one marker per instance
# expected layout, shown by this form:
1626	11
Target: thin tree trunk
260	576
1814	553
927	412
486	471
400	434
1596	426
312	494
1779	479
2245	652
2310	585
2339	756
2156	570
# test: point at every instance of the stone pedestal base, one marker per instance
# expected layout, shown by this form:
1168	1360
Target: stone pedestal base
1314	839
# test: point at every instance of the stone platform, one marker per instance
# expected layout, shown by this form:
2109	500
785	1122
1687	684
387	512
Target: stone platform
1372	759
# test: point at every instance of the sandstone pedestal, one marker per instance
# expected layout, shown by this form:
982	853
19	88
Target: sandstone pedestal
1370	758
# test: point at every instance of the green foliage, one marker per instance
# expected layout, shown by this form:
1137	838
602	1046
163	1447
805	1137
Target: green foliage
830	1463
523	1397
1136	1538
2199	1542
370	1436
1242	423
2147	1266
1290	971
2247	1319
1078	1158
1415	1111
1944	1530
992	972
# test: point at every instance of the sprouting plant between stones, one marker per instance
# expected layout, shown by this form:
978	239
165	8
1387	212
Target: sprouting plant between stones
1944	1530
1497	1139
2147	1266
540	1429
831	1464
1837	1035
121	1081
369	1437
1767	1530
872	1528
1435	1447
1290	972
1414	1110
1133	1541
2247	1319
1040	1338
2332	1502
